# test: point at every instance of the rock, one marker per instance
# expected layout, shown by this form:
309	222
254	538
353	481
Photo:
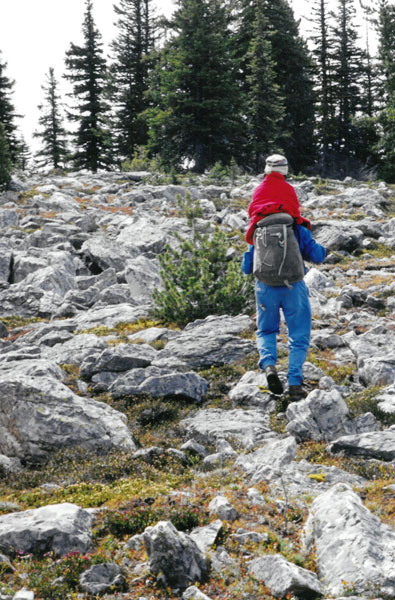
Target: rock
23	595
5	263
246	426
343	236
194	447
205	536
273	456
248	391
10	465
282	577
184	385
59	528
223	508
102	578
110	316
386	399
143	278
122	357
323	415
352	544
100	253
174	555
39	415
193	593
377	371
375	444
316	280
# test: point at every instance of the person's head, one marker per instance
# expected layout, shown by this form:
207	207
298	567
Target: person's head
278	163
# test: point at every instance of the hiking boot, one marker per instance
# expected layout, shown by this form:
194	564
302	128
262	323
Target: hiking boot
273	380
296	393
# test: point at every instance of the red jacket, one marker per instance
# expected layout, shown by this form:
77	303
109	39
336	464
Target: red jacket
274	195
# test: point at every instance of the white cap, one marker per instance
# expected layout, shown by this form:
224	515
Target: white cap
278	163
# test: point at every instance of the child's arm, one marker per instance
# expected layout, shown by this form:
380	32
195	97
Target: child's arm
309	248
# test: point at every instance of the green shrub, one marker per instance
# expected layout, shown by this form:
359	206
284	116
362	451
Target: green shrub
199	281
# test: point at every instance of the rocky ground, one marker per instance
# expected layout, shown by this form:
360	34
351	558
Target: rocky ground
142	461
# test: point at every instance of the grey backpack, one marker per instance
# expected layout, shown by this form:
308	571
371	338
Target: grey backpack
277	258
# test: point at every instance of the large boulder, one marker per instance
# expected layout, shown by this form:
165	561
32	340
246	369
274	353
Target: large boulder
324	415
102	578
39	415
353	547
59	528
142	276
375	444
174	555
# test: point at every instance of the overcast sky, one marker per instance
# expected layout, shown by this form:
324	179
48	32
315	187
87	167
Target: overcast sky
35	34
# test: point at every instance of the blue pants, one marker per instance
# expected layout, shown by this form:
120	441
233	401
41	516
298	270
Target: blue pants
295	305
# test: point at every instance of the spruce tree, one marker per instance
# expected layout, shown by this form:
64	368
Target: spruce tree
386	146
5	160
7	111
324	88
263	100
194	95
129	74
294	75
347	68
52	134
87	72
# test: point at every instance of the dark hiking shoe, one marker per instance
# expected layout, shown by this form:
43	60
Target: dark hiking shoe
273	381
296	393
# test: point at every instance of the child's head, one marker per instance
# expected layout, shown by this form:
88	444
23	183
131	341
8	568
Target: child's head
278	163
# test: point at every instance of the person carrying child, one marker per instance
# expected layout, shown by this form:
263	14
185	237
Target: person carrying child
279	240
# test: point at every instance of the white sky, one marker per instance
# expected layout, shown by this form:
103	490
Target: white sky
35	34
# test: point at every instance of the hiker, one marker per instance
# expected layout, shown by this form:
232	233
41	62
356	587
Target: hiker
277	228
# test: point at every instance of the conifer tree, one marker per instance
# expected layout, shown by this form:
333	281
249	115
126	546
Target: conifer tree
23	153
324	92
7	111
5	160
194	113
294	75
347	61
386	146
52	134
87	72
263	100
129	73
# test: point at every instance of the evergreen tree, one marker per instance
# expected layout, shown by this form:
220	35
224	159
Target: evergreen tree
7	111
23	153
129	74
263	100
347	60
194	113
5	160
294	75
386	146
324	91
52	134
87	73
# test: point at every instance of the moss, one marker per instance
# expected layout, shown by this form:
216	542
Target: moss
359	404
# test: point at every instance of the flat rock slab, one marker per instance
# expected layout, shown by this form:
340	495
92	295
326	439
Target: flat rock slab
59	528
246	427
110	316
352	544
375	444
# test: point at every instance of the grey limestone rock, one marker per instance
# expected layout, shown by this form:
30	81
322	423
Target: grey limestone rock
282	577
174	555
193	593
110	316
187	385
102	578
60	528
205	536
223	508
342	236
273	456
324	415
352	544
247	391
143	278
40	414
247	427
120	358
375	444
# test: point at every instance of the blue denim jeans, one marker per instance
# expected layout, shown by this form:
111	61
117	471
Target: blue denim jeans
296	308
